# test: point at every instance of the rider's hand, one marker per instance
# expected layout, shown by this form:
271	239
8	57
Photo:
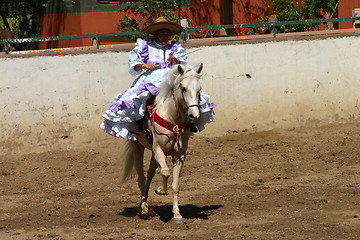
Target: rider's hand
172	60
147	66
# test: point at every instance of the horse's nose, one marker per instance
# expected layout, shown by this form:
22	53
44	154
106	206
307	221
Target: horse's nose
192	118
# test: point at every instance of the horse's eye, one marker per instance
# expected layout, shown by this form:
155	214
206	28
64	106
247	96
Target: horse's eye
183	89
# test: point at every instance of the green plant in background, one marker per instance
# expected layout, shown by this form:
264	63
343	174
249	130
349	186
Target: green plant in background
287	10
318	9
19	18
315	9
141	13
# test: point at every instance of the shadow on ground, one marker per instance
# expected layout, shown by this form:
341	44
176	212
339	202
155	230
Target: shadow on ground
188	211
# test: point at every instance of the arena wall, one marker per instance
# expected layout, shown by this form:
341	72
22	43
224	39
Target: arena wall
55	100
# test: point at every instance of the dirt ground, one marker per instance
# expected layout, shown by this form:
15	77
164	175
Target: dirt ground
281	184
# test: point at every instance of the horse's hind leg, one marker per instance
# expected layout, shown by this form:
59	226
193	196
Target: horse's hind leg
145	211
150	175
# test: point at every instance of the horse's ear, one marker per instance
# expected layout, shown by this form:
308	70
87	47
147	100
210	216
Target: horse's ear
180	69
198	68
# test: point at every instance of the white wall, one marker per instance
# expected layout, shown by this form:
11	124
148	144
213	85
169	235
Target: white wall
292	84
56	102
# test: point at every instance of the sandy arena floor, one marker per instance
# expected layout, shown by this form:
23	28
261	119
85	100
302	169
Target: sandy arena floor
282	184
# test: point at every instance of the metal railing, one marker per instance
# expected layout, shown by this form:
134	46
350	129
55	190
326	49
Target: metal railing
271	24
185	34
95	36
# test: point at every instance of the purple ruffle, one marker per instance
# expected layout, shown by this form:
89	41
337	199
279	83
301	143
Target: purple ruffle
147	86
212	105
119	96
120	105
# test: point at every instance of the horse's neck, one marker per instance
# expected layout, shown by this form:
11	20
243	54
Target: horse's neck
171	111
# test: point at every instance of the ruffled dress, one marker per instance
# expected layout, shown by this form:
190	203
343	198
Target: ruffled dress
130	106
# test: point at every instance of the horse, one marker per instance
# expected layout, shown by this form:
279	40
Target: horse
177	106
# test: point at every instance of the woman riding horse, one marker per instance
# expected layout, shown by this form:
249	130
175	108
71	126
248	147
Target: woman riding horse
152	59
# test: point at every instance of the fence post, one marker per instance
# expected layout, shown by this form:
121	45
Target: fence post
95	41
185	36
7	47
273	19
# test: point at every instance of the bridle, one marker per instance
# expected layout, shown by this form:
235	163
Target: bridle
194	105
188	106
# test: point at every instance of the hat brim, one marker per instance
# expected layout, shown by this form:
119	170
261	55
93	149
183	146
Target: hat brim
174	28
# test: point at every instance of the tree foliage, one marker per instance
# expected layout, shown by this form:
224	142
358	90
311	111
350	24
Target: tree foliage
19	17
288	10
315	9
141	13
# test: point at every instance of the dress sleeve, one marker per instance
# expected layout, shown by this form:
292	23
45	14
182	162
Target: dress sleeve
180	53
135	58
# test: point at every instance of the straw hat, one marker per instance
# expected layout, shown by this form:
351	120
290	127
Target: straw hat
162	23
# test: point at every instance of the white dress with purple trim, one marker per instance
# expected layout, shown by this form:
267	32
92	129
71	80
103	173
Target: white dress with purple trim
130	106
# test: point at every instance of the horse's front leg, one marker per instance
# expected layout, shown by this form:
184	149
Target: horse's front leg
164	169
178	165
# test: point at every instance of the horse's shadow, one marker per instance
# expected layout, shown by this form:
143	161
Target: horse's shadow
188	211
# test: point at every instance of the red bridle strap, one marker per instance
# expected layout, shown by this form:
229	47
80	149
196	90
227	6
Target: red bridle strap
176	129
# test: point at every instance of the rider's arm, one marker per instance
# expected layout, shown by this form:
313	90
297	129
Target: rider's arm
135	58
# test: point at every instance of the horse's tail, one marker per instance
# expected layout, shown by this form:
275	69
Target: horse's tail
127	164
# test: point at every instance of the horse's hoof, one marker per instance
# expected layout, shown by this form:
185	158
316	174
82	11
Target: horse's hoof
144	215
159	191
146	212
178	220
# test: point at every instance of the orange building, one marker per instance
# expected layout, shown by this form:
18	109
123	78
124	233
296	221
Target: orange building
76	17
345	9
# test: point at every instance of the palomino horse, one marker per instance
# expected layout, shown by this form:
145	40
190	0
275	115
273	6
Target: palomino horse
177	106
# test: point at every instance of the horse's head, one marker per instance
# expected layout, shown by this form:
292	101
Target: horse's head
187	90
